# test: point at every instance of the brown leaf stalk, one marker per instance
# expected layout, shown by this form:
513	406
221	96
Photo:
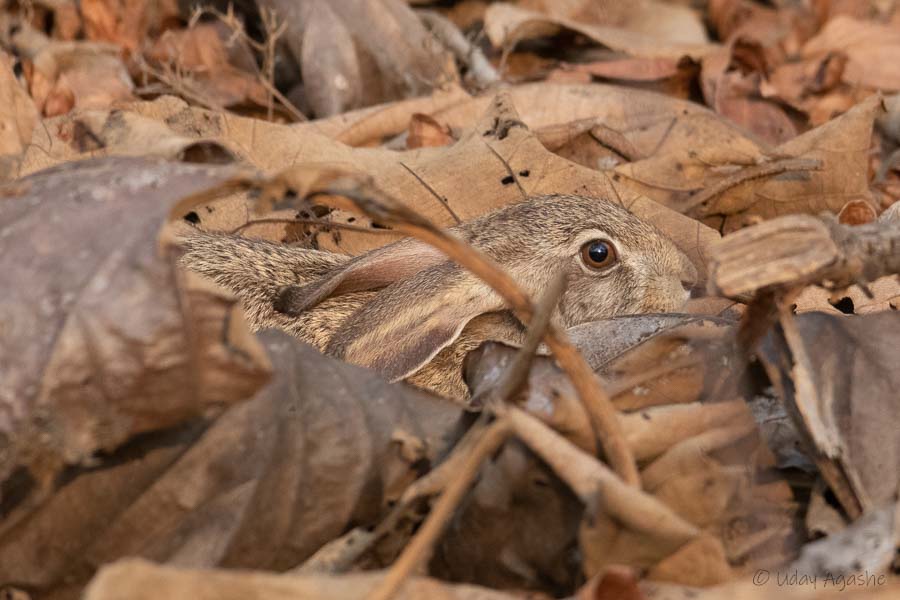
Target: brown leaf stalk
767	169
596	485
418	551
516	376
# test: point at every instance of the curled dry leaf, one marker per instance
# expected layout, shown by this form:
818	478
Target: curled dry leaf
670	76
819	170
426	132
870	48
647	35
734	93
837	376
857	212
104	339
67	75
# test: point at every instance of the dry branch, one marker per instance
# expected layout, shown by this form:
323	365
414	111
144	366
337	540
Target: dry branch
419	549
516	376
798	250
596	485
768	169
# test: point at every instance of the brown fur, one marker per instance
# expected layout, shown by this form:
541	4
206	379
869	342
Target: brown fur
421	324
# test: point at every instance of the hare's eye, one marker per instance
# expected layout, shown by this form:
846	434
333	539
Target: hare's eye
599	254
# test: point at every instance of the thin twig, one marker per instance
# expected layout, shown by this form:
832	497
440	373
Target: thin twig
176	82
434	193
266	49
337	556
589	479
515	377
326	225
746	174
419	549
439	477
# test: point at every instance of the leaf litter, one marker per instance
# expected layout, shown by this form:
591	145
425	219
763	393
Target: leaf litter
152	443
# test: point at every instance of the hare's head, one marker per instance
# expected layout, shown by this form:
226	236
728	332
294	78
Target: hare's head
615	264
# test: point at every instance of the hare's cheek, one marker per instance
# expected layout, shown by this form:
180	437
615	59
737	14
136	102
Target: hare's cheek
586	301
667	295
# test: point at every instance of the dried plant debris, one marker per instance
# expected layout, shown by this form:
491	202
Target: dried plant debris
207	485
139	579
104	337
483	411
838	378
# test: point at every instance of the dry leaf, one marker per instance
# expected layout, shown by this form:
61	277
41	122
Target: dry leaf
650	36
837	376
234	493
121	22
329	63
732	88
666	75
388	65
885	295
141	580
67	75
106	340
18	117
871	49
201	61
831	169
425	132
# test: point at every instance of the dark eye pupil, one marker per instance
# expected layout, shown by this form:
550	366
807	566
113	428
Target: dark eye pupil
598	252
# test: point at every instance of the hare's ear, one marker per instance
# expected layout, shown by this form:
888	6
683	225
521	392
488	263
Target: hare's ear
408	323
371	271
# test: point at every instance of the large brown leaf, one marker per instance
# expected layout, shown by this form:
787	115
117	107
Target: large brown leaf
838	377
102	338
323	447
